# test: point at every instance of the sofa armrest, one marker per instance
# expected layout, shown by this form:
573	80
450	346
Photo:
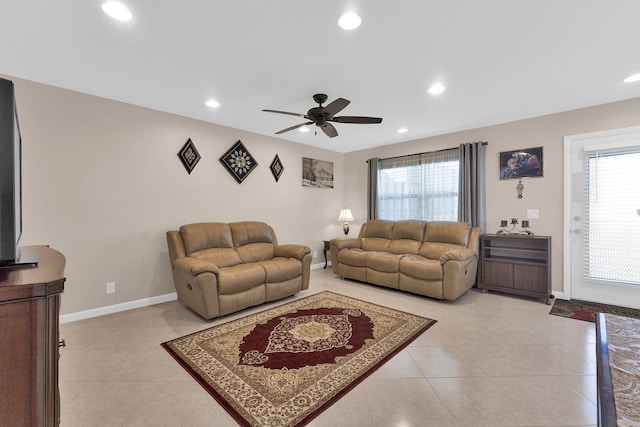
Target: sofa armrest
194	266
345	242
291	251
457	254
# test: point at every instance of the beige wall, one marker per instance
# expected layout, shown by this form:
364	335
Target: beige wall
102	183
544	194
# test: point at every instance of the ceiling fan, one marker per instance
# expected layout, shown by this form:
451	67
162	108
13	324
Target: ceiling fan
321	116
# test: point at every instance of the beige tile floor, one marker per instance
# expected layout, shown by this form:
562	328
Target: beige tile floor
491	360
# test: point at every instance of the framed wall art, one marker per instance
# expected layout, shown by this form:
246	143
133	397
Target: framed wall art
317	173
238	161
276	168
521	163
189	156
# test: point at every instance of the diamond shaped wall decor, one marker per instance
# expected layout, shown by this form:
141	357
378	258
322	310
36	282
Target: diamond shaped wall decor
189	156
238	161
276	167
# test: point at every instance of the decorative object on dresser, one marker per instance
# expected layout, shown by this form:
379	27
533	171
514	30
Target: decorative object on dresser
189	156
345	216
239	162
29	340
221	268
434	259
515	264
285	365
514	227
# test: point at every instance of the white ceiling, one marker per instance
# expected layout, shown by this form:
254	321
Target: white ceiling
501	60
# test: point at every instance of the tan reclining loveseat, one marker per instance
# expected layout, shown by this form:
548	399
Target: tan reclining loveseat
435	259
221	268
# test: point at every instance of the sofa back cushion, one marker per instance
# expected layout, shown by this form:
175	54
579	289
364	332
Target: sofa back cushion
222	257
252	232
377	228
205	235
410	229
456	233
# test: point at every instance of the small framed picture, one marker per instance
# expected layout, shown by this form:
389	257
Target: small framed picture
239	162
521	163
276	168
189	156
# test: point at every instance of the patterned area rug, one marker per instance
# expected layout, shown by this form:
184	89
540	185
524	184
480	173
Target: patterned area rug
584	310
283	366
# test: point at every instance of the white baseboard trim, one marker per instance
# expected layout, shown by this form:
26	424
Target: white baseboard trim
72	317
558	295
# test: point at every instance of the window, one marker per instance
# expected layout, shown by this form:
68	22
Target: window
421	186
611	214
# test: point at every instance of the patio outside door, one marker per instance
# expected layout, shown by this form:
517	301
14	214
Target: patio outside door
602	217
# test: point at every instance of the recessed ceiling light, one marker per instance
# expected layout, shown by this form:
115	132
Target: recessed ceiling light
349	21
403	130
633	78
304	129
212	103
436	88
117	11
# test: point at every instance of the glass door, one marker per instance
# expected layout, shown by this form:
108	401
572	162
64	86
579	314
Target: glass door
602	217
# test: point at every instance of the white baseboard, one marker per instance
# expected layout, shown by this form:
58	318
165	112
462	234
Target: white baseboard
72	317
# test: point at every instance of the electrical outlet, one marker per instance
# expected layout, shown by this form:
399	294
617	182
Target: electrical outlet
315	254
111	287
533	214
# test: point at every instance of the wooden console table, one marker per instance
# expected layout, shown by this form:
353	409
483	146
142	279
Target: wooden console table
516	264
29	340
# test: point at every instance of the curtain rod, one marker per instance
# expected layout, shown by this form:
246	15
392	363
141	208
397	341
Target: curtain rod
424	152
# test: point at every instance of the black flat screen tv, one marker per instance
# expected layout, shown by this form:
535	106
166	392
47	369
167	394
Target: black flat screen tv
11	254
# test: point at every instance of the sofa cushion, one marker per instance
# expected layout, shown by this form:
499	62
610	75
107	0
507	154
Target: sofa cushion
409	229
251	232
383	261
254	252
222	257
434	250
420	267
240	278
281	269
404	246
448	232
205	235
378	228
354	257
375	244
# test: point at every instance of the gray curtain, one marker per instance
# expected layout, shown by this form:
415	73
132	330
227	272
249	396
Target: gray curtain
372	188
472	195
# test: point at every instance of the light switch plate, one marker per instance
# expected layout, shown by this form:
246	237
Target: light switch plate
533	214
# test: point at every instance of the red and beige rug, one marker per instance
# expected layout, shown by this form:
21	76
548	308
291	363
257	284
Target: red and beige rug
285	365
585	310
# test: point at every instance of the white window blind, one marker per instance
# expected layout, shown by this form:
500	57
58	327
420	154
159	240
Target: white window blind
421	186
612	215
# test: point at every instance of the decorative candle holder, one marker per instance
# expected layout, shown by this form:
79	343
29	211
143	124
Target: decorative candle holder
514	227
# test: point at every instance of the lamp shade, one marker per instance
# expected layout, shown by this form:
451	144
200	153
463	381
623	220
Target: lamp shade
345	215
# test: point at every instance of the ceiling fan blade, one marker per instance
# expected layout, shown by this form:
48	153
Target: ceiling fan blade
286	112
293	127
356	119
329	130
336	106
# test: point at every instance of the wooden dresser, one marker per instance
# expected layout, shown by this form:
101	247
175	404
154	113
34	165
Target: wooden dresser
29	340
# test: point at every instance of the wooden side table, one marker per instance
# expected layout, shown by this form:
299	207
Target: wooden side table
327	246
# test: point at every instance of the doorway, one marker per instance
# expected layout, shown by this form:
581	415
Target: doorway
602	217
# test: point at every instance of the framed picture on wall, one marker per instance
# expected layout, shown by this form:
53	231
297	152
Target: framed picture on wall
521	163
317	173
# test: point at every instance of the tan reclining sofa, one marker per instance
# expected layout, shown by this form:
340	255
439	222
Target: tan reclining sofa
221	268
435	259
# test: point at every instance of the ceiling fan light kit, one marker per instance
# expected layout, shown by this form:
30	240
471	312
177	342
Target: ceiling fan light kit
322	116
